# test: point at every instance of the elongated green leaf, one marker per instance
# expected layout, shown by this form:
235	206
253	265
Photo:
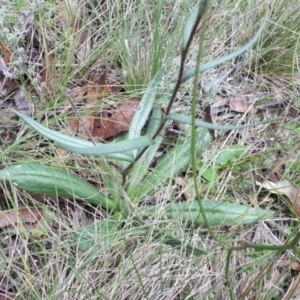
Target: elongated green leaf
158	234
54	182
217	212
108	149
229	154
200	123
172	163
191	72
190	24
106	233
76	145
176	243
101	233
143	111
141	167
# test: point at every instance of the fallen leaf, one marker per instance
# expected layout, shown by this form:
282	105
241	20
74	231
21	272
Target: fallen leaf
284	187
241	106
30	215
87	95
97	91
108	122
111	122
7	54
294	289
285	262
23	104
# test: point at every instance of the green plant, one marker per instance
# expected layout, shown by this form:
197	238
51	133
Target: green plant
119	150
139	178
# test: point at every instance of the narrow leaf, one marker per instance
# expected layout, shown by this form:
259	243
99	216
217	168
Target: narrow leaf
200	123
217	212
107	149
158	234
101	233
77	145
54	182
191	72
141	167
144	109
171	164
229	154
199	9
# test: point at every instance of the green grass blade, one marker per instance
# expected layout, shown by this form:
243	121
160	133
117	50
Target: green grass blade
217	212
191	72
76	145
54	182
200	123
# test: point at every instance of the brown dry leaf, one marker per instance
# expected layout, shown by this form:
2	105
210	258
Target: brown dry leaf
78	93
18	101
88	94
97	91
7	54
6	75
284	187
108	122
91	93
111	122
294	289
23	104
30	215
241	106
285	262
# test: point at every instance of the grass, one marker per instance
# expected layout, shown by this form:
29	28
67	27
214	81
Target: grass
129	42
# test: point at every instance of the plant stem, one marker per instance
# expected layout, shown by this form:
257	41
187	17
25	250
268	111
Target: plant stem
286	246
202	9
193	125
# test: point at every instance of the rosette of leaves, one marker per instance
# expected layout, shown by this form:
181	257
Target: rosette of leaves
135	156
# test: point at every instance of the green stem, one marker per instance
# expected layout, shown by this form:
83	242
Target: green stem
286	246
193	122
